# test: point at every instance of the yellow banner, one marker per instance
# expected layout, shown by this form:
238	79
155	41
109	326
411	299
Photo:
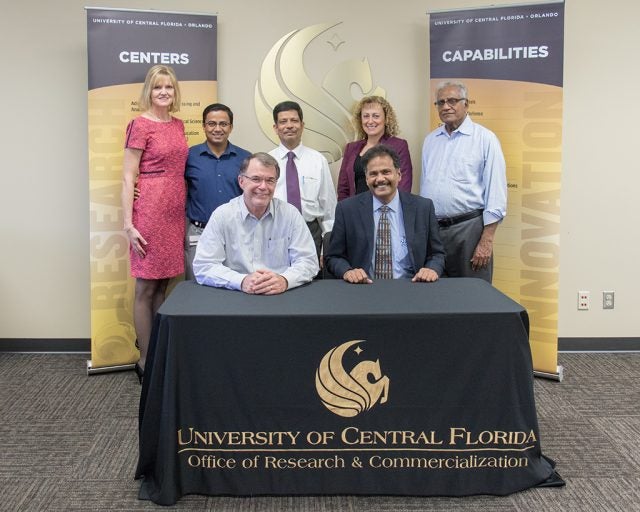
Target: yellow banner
511	59
110	109
527	118
122	46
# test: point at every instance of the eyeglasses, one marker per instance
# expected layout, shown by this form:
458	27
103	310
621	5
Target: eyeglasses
221	124
451	102
257	180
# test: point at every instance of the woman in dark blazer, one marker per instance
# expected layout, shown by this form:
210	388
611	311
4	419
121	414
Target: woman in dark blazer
377	124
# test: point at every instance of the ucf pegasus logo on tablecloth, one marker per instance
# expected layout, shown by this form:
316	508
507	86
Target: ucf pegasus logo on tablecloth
349	394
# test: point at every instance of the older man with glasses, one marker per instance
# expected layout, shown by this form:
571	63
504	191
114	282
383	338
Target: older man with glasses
256	243
464	174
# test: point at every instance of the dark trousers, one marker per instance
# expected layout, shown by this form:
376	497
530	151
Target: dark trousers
460	241
316	234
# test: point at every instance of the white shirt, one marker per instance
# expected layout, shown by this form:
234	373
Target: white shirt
464	171
317	191
235	243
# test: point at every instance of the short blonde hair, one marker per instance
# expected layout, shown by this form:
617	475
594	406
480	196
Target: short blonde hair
154	75
391	128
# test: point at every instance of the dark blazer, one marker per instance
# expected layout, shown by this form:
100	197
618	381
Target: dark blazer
347	177
351	244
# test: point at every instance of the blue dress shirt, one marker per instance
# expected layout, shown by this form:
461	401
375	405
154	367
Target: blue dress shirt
211	181
464	171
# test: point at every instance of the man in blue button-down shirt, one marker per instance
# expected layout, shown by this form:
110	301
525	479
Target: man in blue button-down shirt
464	174
211	174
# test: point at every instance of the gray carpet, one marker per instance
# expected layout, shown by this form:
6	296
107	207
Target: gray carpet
69	443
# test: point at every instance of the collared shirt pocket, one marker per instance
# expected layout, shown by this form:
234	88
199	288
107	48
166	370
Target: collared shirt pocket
310	187
277	255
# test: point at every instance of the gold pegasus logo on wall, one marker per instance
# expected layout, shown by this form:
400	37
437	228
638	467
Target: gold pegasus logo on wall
349	394
327	107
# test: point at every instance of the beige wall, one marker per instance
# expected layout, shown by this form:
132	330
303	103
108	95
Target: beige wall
44	290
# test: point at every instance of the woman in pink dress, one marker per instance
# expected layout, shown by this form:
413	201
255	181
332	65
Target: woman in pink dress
154	160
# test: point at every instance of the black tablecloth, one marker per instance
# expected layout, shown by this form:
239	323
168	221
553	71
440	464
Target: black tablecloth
394	388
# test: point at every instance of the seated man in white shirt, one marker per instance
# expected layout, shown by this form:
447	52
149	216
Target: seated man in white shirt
256	243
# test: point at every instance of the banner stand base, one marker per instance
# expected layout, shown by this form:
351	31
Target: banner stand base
559	375
108	369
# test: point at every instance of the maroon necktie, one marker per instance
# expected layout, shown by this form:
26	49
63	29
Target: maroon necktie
293	186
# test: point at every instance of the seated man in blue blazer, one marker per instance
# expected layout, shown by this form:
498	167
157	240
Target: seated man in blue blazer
385	233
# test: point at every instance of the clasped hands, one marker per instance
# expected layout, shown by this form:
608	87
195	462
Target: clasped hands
359	276
264	282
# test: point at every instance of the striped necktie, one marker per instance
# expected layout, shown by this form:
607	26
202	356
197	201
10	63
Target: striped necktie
383	260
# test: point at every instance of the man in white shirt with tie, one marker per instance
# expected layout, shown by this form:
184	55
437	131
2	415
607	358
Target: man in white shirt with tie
305	180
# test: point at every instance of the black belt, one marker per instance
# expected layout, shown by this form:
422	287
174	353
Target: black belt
198	224
450	221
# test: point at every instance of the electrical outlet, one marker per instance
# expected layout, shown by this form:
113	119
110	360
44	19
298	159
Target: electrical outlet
608	300
583	300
